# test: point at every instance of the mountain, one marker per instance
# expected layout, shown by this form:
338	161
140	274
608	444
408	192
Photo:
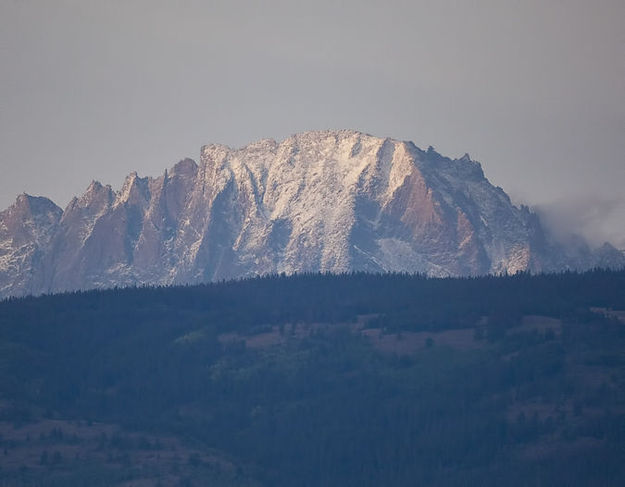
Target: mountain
318	201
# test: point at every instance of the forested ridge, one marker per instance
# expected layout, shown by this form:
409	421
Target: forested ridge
318	379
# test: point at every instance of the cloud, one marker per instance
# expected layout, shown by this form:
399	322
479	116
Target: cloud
597	219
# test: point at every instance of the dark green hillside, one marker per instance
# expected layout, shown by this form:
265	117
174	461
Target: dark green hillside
318	380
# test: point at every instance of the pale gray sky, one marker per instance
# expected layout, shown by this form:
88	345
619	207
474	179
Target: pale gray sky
534	89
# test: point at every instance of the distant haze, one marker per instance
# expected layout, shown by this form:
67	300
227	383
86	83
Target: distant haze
534	90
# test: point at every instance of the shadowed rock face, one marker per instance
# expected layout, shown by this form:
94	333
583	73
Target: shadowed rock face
318	201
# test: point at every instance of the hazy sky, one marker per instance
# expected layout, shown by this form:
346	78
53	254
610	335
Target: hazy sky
534	89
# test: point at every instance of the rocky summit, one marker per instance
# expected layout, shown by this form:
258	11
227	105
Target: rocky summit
330	201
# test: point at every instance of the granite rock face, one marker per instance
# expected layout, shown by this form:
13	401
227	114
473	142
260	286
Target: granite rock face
318	201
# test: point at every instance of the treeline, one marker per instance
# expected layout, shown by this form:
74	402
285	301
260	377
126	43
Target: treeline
414	299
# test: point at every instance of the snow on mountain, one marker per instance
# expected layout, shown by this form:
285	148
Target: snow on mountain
26	229
317	201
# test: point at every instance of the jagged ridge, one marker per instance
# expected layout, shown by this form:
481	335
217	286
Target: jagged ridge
318	201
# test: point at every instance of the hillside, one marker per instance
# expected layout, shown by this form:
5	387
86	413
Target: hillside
312	380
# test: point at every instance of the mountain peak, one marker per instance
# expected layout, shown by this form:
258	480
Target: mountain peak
185	167
94	186
607	256
134	188
34	204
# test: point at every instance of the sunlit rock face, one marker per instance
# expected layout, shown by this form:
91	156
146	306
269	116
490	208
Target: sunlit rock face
319	201
26	231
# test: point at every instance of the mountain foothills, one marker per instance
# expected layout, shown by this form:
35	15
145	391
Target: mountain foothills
318	380
318	201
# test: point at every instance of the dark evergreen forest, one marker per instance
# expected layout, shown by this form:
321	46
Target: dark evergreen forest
318	380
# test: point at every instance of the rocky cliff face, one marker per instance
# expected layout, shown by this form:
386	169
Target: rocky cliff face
319	201
26	230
